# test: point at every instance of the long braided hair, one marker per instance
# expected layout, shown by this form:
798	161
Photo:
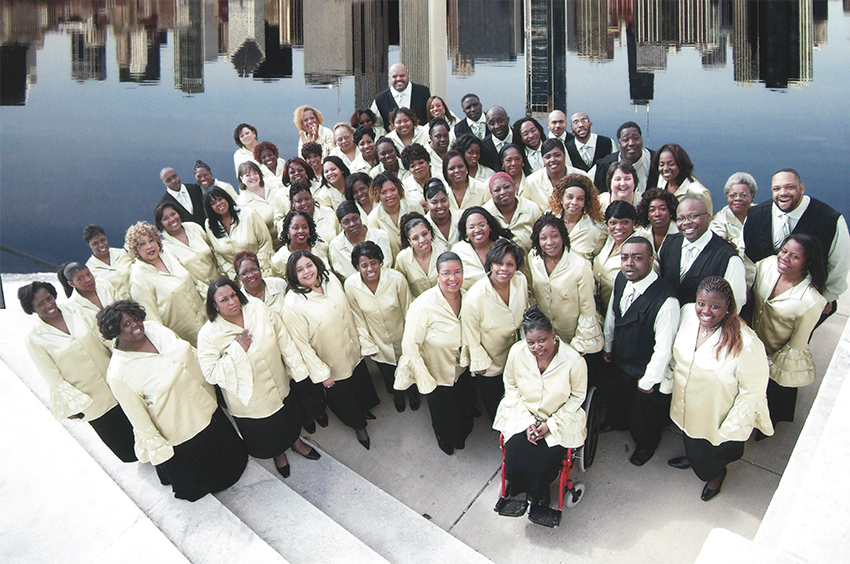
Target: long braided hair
730	327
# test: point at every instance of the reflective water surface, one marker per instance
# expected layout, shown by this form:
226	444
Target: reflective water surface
98	96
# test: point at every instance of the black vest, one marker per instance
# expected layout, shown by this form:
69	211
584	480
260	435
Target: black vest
634	333
419	95
712	261
818	220
603	148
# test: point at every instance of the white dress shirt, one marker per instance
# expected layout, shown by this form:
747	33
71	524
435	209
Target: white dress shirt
838	254
479	128
735	273
665	326
402	100
499	143
183	197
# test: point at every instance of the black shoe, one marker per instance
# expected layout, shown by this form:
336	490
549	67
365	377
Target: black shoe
413	398
283	471
398	398
309	426
365	442
445	447
322	420
368	415
641	457
312	455
708	493
679	462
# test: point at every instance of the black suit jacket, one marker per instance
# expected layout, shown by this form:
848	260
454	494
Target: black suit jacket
602	166
489	154
197	195
462	128
603	149
418	100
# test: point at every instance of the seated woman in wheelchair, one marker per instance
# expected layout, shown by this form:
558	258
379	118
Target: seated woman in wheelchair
541	415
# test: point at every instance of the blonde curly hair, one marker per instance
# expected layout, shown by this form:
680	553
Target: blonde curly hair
298	116
134	234
592	208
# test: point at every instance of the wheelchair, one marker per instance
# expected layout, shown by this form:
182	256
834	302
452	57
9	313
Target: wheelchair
569	492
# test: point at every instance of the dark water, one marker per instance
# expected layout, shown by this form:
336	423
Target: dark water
98	96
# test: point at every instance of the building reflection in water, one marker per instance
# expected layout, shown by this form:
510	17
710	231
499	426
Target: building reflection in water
771	42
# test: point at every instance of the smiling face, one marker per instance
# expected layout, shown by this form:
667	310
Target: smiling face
315	162
791	260
247	137
203	177
44	305
530	134
498	122
403	125
367	148
555	163
659	214
420	238
360	191
250	275
787	191
369	269
458	174
622	186
170	178
297	173
131	331
148	249
512	162
503	192
303	202
580	126
667	167
631	144
306	273
309	121
739	198
399	77
363	120
557	123
420	169
99	247
268	158
573	201
450	277
478	230
388	156
352	224
541	344
332	174
692	219
226	302
440	139
83	281
471	107
437	109
299	231
635	261
551	242
621	229
438	206
250	178
711	309
501	273
472	155
220	206
388	195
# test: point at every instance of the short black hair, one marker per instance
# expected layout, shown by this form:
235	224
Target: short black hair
407	222
27	293
66	272
363	130
92	231
160	209
500	248
618	209
109	318
212	313
368	249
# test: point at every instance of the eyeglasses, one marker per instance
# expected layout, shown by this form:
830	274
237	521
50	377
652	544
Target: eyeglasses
691	217
740	196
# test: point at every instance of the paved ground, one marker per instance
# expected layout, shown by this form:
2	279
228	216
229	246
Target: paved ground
648	514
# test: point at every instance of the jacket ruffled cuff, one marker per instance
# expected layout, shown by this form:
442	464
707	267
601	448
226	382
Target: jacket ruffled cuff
151	446
413	371
233	373
588	338
479	360
741	419
512	417
567	428
66	400
792	368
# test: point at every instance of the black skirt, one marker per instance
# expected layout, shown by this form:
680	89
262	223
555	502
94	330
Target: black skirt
781	401
451	409
707	460
270	436
116	432
309	398
349	398
530	468
211	461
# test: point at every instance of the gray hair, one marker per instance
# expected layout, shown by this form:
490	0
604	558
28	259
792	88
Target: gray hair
741	178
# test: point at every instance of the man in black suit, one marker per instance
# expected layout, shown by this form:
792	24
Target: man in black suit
189	197
695	252
474	124
791	211
500	135
586	148
402	94
640	326
630	138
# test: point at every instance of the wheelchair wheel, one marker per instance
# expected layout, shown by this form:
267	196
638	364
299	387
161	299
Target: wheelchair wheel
587	452
574	496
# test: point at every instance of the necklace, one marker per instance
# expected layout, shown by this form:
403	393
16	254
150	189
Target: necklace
706	332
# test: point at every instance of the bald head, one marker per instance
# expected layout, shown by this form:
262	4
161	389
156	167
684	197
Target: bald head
399	77
692	218
170	178
498	122
557	123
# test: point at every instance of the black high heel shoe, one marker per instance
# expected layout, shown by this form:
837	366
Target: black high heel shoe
708	493
322	420
366	442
